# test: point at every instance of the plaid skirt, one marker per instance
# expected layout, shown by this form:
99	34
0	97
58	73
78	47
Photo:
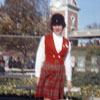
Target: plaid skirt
51	83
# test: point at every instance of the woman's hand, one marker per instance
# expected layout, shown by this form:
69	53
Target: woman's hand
37	80
69	85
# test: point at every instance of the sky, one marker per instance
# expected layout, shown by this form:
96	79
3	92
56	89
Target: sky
89	12
1	2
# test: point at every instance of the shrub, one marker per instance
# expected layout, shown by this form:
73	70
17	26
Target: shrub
85	78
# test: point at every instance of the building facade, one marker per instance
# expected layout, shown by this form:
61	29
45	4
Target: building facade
69	9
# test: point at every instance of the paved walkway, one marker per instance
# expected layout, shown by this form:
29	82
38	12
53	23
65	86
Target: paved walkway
17	98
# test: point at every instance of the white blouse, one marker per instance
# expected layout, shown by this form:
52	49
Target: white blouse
40	56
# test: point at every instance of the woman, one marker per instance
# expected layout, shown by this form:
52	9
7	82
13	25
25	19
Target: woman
53	62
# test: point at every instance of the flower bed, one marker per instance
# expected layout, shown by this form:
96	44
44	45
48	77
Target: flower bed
6	88
86	92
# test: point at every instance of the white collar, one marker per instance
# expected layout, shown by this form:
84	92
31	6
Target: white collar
58	36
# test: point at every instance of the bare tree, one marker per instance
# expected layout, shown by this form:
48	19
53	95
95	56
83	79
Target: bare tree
23	17
93	26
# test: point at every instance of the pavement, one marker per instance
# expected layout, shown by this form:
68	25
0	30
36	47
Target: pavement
15	75
17	98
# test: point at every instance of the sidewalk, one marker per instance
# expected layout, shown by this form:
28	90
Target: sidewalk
17	98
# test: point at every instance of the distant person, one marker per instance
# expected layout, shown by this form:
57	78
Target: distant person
18	63
3	62
10	62
31	63
2	70
14	63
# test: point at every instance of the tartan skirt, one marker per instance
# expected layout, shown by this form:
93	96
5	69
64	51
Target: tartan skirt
51	82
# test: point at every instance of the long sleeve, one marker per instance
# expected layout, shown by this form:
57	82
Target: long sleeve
67	64
40	57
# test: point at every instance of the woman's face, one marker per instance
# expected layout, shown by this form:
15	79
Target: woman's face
57	29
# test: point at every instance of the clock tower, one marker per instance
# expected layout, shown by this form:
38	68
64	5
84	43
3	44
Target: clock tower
69	9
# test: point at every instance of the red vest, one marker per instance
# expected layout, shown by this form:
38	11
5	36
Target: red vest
52	56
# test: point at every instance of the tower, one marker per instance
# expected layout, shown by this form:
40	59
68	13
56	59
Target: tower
69	9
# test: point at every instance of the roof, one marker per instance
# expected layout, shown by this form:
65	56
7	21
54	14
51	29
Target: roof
88	33
74	6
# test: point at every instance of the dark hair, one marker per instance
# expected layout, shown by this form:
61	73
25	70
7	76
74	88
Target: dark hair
57	19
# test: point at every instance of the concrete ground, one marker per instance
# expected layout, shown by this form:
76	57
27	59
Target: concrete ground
17	98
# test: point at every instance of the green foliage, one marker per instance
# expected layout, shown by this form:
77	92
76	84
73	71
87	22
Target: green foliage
93	51
79	48
88	52
86	78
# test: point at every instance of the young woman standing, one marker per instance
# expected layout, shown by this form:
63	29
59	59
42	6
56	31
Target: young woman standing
53	65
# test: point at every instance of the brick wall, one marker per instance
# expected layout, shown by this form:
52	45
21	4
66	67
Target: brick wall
71	13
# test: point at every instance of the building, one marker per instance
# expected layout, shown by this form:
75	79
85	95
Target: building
69	9
87	35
